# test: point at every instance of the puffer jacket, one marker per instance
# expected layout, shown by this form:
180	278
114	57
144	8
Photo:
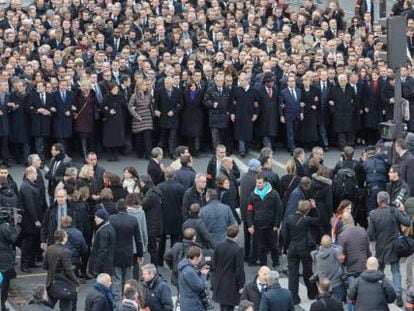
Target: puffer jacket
326	264
371	292
139	107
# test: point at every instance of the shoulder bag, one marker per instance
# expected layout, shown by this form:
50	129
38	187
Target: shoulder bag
61	286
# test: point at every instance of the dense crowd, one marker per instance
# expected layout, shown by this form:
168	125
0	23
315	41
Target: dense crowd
181	77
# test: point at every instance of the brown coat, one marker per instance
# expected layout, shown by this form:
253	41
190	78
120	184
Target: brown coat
139	107
54	262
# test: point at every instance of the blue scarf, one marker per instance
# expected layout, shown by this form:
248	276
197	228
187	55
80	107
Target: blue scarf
193	94
107	292
262	193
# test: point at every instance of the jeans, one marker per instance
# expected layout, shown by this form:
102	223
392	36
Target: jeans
40	147
119	277
216	136
350	306
242	146
396	275
338	293
409	271
267	141
323	132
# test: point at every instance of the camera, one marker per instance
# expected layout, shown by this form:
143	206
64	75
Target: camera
314	279
400	199
205	299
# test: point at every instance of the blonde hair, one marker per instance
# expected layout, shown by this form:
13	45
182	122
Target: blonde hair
290	167
83	173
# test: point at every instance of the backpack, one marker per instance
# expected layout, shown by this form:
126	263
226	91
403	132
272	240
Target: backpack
345	184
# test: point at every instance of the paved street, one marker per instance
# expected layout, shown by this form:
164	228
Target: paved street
25	282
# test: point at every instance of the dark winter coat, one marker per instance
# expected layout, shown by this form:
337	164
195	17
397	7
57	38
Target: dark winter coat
191	283
288	183
193	196
118	192
217	117
40	124
308	128
202	235
172	193
113	132
326	264
406	163
139	107
264	213
154	170
321	192
229	275
76	244
97	301
103	248
273	178
38	305
127	233
292	204
61	123
383	229
151	204
157	294
164	104
373	103
252	293
247	185
86	107
344	109
268	120
50	221
192	115
55	176
185	176
371	292
244	107
277	298
20	119
355	247
5	117
326	303
30	203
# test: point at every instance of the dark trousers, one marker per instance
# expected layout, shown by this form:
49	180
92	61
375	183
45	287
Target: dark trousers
153	249
266	241
21	152
294	260
40	146
64	305
5	290
222	136
226	308
4	151
291	130
169	135
346	139
143	143
163	241
28	249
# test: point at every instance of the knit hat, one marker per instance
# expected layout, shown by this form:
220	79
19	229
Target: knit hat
253	164
102	213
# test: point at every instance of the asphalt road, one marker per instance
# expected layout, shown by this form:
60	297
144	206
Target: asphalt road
25	282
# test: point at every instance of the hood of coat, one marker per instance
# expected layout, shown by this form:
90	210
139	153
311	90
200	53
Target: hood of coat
185	263
135	210
372	276
322	179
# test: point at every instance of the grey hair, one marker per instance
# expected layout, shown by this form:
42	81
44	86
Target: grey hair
102	278
32	157
71	172
272	278
199	176
383	197
156	152
150	268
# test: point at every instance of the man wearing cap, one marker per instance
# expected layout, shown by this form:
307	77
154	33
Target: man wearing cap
268	99
247	185
102	253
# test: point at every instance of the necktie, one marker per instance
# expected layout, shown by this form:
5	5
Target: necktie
262	288
42	96
323	87
269	92
220	90
293	94
355	89
63	96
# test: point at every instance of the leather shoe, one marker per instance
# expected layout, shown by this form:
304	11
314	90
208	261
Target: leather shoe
25	270
399	301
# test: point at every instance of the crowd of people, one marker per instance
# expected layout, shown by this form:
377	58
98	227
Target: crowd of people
87	77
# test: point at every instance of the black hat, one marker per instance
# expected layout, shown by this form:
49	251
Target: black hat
268	77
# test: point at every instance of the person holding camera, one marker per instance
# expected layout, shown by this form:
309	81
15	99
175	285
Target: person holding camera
192	281
298	245
229	277
397	188
8	238
326	301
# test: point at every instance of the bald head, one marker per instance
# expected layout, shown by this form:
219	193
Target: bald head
31	173
326	241
347	218
372	263
262	274
104	279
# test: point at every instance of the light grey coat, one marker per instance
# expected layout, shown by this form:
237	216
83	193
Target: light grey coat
139	214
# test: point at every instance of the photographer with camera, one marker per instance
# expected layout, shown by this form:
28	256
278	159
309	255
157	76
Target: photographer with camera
192	281
8	237
397	188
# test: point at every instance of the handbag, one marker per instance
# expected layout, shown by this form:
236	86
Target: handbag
62	287
76	114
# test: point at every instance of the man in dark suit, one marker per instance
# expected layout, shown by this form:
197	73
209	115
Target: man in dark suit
168	103
253	290
364	6
62	113
229	277
4	123
291	112
57	167
116	41
323	119
155	168
58	259
40	107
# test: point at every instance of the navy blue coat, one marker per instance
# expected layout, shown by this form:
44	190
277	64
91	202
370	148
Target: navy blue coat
19	119
291	108
62	124
185	176
277	298
191	283
373	103
268	120
4	118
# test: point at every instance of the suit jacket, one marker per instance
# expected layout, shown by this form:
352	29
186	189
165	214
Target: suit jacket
291	109
4	118
61	123
154	170
164	104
